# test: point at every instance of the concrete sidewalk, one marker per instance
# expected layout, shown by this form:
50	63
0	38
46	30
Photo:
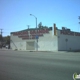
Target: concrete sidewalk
4	49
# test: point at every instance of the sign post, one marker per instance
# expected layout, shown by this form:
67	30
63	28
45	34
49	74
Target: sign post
36	42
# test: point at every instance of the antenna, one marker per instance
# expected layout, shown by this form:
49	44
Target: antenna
28	26
79	19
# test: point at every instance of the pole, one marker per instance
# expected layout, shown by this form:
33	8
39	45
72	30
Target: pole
36	36
1	31
36	33
29	34
1	38
66	43
79	19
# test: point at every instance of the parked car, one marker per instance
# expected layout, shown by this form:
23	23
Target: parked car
4	45
7	47
1	46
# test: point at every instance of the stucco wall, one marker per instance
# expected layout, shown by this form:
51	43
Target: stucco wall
18	43
47	42
73	42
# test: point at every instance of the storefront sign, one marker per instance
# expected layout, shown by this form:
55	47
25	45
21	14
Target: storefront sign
69	33
39	31
22	36
30	34
28	37
20	33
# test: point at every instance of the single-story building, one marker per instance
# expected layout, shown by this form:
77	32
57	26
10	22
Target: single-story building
45	39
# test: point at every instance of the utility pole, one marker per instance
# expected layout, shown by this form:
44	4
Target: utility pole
1	38
1	31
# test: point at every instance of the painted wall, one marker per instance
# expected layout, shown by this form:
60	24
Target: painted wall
47	42
72	43
18	43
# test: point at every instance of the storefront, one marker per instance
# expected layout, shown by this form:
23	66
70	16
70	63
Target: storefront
49	39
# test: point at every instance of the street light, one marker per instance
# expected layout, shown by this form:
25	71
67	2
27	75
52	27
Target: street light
36	32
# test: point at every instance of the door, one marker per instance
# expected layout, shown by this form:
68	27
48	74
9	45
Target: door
30	46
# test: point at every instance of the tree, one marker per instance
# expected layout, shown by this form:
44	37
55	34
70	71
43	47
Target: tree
40	25
7	40
1	39
45	26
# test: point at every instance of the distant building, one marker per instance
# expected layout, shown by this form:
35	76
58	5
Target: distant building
50	39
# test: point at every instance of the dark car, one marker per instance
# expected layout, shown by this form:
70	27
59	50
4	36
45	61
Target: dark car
0	46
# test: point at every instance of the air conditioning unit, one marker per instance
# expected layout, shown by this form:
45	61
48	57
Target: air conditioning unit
63	28
68	29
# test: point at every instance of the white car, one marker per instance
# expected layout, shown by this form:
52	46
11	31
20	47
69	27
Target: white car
7	46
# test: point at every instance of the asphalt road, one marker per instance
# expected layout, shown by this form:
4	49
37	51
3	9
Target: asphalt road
22	65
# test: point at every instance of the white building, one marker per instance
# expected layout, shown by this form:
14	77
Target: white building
50	39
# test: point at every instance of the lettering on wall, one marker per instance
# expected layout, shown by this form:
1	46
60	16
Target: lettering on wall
64	32
29	37
39	31
30	34
20	33
23	36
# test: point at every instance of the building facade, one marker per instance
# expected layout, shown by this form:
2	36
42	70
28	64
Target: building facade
49	39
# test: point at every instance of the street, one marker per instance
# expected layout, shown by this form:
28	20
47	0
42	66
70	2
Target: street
23	65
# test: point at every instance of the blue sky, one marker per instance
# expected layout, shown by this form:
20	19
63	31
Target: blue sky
14	14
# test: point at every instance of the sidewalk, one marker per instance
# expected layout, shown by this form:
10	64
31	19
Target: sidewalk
3	49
